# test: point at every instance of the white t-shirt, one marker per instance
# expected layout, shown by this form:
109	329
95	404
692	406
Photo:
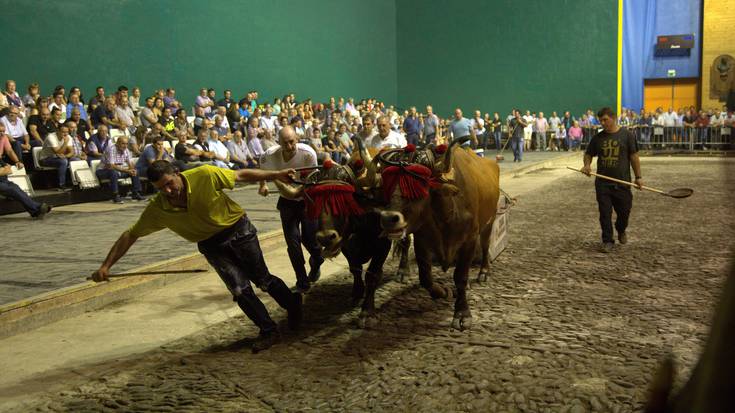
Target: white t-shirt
529	119
272	159
393	140
268	123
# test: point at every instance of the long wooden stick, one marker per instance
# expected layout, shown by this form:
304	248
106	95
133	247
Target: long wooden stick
132	274
647	188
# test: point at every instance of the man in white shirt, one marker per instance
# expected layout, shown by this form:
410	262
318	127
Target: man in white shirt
386	137
528	130
13	123
268	121
221	153
297	228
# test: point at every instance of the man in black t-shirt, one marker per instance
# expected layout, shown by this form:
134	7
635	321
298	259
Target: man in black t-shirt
616	151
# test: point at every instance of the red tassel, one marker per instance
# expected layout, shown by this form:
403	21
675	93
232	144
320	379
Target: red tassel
410	148
411	186
439	150
337	200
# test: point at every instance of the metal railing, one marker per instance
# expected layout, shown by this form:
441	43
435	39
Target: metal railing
683	137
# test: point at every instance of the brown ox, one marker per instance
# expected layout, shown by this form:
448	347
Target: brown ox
453	212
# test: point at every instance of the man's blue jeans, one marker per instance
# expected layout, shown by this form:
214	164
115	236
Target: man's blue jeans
516	144
61	165
114	176
13	191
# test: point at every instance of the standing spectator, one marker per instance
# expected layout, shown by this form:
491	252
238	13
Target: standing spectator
702	125
117	164
431	126
516	130
478	125
554	122
528	119
227	100
461	127
541	127
411	127
13	125
203	101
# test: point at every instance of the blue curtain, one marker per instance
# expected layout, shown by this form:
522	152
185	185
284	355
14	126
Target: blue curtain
643	21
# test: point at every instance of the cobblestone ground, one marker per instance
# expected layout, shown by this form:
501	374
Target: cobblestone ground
559	327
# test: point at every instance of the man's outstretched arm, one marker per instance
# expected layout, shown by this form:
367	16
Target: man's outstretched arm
118	250
255	175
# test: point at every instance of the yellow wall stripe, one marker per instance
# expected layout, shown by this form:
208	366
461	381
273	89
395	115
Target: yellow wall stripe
620	56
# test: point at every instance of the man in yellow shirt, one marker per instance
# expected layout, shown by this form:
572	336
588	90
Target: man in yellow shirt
192	204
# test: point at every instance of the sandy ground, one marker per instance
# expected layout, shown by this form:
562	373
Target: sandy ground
559	326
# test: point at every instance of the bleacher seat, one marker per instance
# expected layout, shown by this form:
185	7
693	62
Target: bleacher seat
21	178
190	120
190	141
167	146
116	133
36	158
82	175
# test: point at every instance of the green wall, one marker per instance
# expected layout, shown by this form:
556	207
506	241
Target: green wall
313	48
494	55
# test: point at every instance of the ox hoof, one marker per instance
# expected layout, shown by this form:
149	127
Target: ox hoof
366	320
402	274
482	277
462	321
437	291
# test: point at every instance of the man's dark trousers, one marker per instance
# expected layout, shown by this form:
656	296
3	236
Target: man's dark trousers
236	256
13	191
297	229
613	197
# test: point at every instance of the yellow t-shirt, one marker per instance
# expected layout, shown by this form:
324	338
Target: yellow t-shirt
208	211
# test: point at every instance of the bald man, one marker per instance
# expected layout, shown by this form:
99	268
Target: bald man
297	229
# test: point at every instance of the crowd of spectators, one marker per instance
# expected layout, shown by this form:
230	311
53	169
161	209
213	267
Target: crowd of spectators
234	133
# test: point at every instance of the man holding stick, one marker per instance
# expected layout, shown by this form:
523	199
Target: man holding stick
617	151
193	205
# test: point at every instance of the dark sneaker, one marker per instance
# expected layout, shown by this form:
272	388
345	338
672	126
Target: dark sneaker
117	199
42	211
622	238
315	274
607	247
265	341
295	312
137	196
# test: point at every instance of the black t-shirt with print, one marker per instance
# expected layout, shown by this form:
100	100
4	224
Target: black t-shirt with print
613	152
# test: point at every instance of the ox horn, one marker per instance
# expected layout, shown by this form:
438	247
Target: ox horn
370	164
447	164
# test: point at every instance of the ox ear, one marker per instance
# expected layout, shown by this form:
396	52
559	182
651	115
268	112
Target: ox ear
448	190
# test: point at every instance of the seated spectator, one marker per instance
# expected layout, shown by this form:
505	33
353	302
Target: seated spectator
188	154
220	127
239	153
11	190
344	138
202	145
4	104
60	88
134	100
234	118
80	136
30	99
217	146
168	125
153	152
212	95
97	100
13	98
74	91
254	138
147	117
158	106
181	123
117	164
58	103
83	126
169	101
75	103
222	113
199	119
104	114
574	136
56	118
268	121
124	113
79	145
39	126
57	151
13	126
98	144
204	102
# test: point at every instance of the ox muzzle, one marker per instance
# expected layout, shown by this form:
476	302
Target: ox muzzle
393	225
